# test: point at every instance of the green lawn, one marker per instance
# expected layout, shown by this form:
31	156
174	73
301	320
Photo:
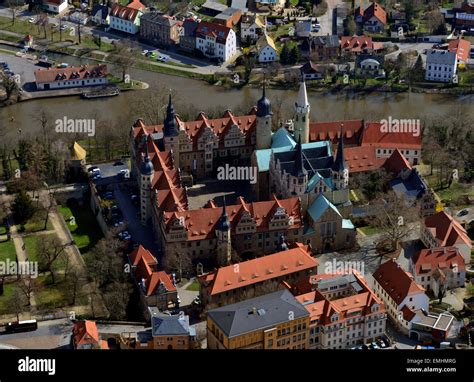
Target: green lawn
31	245
36	223
7	250
50	296
368	230
84	228
7	291
194	286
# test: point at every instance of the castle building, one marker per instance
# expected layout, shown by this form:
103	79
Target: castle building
249	229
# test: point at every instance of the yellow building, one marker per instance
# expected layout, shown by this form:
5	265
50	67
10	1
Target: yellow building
273	321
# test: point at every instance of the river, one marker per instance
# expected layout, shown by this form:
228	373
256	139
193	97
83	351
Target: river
203	96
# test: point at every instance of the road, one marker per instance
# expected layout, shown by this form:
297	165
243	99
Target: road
201	66
51	334
327	19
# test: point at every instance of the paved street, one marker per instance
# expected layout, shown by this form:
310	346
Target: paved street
51	334
327	19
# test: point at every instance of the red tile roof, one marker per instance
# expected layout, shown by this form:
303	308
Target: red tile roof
145	263
218	31
373	9
129	12
361	159
85	333
260	269
462	48
321	309
200	224
373	136
428	260
446	230
141	253
408	314
356	44
396	282
71	73
330	131
396	163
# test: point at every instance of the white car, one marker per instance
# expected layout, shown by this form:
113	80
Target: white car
163	58
145	52
32	20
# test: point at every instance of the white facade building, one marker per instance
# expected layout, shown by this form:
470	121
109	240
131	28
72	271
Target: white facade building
55	6
47	79
216	41
126	19
441	66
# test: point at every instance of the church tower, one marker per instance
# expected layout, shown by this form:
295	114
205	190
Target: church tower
146	176
171	132
301	121
264	122
340	170
224	245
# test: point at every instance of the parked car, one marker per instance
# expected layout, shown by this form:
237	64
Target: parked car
463	212
63	27
32	20
163	58
124	235
118	163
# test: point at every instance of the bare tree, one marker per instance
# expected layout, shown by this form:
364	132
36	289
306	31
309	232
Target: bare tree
124	56
392	217
49	252
180	262
72	284
16	302
27	285
15	8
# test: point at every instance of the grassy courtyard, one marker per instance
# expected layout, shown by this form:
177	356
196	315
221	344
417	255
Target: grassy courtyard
7	250
84	227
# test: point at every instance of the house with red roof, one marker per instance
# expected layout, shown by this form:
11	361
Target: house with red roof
400	293
127	18
86	336
442	230
157	288
359	44
461	47
373	18
346	303
252	278
71	77
216	41
438	269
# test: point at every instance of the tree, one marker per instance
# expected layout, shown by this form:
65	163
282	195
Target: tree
15	7
285	54
124	56
435	22
417	73
103	264
49	251
27	285
16	302
350	26
392	215
249	63
295	54
72	284
23	208
441	293
178	261
24	154
117	298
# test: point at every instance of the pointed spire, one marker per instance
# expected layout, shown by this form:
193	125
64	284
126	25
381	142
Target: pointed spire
170	128
264	107
340	164
302	103
146	167
300	171
224	224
